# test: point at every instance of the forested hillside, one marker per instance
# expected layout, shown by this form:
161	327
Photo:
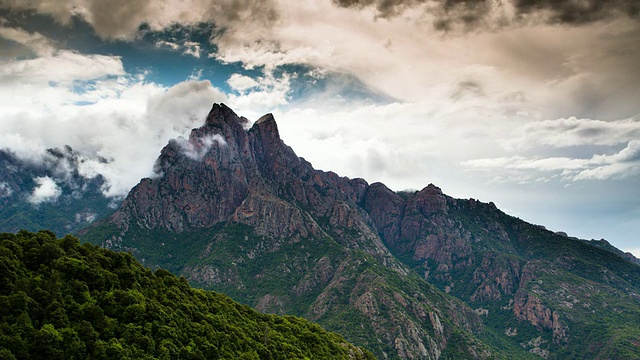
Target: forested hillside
63	300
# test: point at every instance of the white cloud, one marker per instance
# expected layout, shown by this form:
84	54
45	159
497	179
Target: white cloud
260	95
115	116
197	148
625	163
239	82
46	191
565	70
192	48
64	67
85	217
169	44
5	190
574	132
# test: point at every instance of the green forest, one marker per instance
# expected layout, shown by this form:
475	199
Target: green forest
60	299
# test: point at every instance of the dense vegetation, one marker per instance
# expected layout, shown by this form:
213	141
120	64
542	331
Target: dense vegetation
63	300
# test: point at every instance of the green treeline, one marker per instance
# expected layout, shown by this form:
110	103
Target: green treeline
63	300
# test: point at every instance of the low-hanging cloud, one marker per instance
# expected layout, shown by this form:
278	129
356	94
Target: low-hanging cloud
46	190
196	148
116	124
5	190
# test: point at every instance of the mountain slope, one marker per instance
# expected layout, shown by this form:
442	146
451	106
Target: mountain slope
234	209
237	211
61	300
49	193
554	295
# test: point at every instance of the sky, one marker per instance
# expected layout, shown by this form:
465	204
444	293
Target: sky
531	104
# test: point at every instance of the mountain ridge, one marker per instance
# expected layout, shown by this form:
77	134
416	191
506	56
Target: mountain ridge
235	209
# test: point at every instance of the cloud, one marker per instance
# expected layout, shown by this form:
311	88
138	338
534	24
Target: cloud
121	19
574	132
169	44
256	96
5	190
239	82
578	12
560	76
196	148
64	67
623	164
35	42
90	103
85	217
192	48
529	51
46	190
448	14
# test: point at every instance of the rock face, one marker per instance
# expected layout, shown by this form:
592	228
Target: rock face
508	269
234	209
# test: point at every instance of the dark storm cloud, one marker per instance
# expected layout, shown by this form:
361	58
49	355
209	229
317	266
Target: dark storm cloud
579	12
474	13
447	12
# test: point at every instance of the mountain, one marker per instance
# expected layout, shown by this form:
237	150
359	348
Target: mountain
232	208
49	193
557	297
63	300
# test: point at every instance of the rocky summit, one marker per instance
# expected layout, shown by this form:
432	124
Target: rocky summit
409	275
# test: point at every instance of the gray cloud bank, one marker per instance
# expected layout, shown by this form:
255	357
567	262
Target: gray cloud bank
496	13
122	18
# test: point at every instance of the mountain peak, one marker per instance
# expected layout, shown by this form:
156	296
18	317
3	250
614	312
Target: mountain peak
266	118
221	114
250	217
267	125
